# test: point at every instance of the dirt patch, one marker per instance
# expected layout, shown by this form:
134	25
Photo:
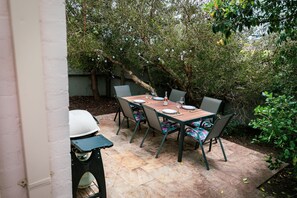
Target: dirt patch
103	106
281	185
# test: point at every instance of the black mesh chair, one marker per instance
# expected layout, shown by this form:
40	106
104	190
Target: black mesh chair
175	95
201	135
211	105
129	113
154	124
121	91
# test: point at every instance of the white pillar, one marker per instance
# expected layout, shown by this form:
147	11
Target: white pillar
25	22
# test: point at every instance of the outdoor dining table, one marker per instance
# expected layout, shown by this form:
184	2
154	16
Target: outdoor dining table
183	117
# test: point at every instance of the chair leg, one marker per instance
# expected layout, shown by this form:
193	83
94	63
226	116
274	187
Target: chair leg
160	147
204	156
210	144
128	125
116	115
134	132
222	149
145	135
120	125
120	117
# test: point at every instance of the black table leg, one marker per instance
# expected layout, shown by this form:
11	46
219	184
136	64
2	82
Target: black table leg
181	142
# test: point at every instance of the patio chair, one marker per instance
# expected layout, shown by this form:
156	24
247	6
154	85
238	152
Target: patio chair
175	95
154	124
121	91
211	105
201	135
129	113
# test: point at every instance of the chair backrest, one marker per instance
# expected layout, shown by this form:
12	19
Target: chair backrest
122	90
152	117
219	126
210	104
126	108
175	95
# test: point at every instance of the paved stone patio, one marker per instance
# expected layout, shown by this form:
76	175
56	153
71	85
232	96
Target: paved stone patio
131	171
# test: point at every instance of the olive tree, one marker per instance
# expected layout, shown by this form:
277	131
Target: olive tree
168	42
275	16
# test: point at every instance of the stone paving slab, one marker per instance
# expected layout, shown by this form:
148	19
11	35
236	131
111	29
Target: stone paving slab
131	171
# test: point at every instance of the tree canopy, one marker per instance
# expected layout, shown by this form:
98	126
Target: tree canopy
278	16
169	40
165	44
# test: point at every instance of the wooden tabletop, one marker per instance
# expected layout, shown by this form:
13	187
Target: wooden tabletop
183	116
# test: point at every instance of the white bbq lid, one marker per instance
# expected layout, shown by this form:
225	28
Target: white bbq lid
81	123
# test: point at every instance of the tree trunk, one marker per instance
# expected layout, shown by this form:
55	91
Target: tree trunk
139	81
108	80
94	85
130	73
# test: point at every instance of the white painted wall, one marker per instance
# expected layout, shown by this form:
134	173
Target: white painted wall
55	82
54	47
12	168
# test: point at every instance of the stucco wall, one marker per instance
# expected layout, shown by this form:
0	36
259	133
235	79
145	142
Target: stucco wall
54	63
80	85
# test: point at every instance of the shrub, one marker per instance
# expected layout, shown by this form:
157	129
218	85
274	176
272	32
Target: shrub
285	69
277	120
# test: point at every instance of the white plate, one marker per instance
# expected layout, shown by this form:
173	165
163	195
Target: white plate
188	107
169	111
158	98
139	101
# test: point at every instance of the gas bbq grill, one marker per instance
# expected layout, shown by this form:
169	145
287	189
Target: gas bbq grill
86	158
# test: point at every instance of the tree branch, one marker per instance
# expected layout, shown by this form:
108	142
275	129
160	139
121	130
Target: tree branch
129	72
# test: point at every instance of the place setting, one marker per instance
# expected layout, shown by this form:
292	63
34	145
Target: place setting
158	98
139	101
188	107
191	108
171	112
181	104
153	96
